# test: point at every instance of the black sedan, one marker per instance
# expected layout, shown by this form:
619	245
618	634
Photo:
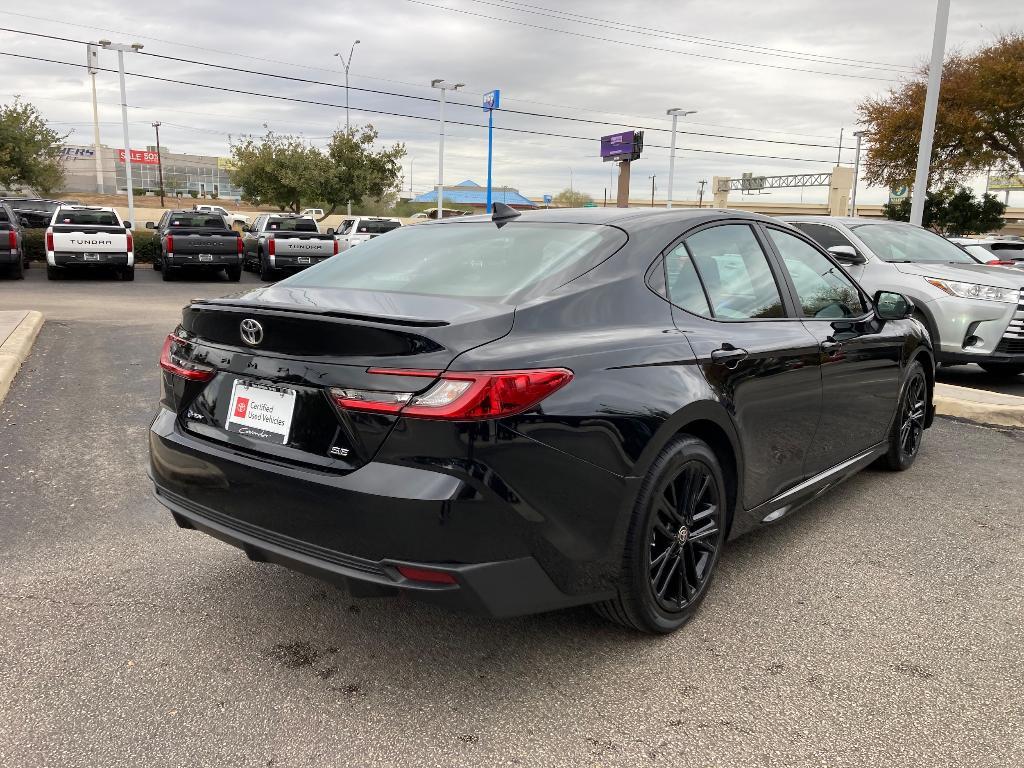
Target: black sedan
519	413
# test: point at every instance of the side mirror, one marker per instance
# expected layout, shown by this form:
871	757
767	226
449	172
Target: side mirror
127	224
890	305
330	231
847	254
150	225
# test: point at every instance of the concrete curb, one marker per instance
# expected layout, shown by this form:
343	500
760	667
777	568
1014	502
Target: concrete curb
16	347
979	405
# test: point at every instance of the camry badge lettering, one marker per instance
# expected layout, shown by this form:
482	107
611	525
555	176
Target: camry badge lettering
252	332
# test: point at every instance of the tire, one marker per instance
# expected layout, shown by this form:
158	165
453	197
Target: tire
168	274
18	272
234	273
1003	369
158	264
685	487
267	273
908	426
128	274
53	273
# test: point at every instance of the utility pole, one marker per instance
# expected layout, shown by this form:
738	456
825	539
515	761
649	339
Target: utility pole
839	154
121	49
411	161
346	63
856	174
931	104
570	186
92	59
653	177
676	113
159	162
700	193
444	86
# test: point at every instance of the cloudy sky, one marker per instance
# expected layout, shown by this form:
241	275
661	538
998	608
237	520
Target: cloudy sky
772	79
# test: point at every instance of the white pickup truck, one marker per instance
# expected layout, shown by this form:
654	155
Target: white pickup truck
233	218
86	236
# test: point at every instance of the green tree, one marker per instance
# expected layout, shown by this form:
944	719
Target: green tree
979	124
954	212
29	150
278	170
569	198
357	171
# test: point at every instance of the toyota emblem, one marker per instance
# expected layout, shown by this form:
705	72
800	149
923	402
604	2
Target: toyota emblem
252	332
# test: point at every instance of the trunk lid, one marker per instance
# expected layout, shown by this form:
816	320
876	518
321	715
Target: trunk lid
76	239
309	341
195	240
302	244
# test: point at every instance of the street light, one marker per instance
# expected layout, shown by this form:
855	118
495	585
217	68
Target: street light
570	185
121	49
931	105
346	63
652	178
444	85
856	173
676	113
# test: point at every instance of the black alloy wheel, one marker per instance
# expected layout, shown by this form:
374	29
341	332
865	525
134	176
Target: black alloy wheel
684	533
674	541
908	426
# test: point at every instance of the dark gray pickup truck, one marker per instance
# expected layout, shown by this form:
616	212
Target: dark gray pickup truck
197	240
280	243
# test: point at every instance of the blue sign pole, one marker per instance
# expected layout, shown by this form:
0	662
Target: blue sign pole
492	101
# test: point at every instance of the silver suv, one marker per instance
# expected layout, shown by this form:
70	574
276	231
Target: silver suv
974	312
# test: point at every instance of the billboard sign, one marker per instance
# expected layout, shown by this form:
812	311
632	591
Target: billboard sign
492	100
140	158
1006	182
622	146
70	152
547	199
899	193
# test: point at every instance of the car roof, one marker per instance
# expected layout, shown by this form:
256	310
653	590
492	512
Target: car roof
628	219
849	221
88	208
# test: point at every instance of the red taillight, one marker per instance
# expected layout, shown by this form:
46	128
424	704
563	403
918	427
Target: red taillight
131	241
270	247
425	574
335	246
999	263
170	243
12	240
174	360
49	240
239	245
458	396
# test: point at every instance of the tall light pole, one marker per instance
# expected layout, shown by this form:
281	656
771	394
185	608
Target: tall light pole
676	113
346	63
856	173
570	186
92	59
159	162
411	161
444	85
931	104
121	49
653	177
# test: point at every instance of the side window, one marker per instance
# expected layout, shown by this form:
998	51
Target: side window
824	235
684	288
824	292
735	273
346	226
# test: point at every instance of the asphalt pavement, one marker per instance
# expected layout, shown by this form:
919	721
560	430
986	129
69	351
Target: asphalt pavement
881	625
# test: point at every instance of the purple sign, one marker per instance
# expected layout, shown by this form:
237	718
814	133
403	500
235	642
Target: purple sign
621	146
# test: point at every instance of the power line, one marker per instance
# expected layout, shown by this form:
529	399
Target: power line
294	99
691	39
695	39
524	113
646	47
508	99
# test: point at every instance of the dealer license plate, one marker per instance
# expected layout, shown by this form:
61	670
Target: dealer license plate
205	257
303	259
261	412
90	256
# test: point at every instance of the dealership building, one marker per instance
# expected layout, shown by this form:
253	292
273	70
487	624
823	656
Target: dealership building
185	175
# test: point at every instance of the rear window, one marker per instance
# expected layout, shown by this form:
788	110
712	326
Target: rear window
376	227
292	225
477	260
197	220
46	206
94	218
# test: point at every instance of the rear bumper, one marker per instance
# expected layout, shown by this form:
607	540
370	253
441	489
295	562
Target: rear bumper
502	588
69	259
357	527
296	263
9	257
192	260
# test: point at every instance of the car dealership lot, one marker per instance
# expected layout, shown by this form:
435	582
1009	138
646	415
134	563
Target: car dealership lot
881	624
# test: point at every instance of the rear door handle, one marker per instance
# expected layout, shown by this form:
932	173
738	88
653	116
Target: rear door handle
728	357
